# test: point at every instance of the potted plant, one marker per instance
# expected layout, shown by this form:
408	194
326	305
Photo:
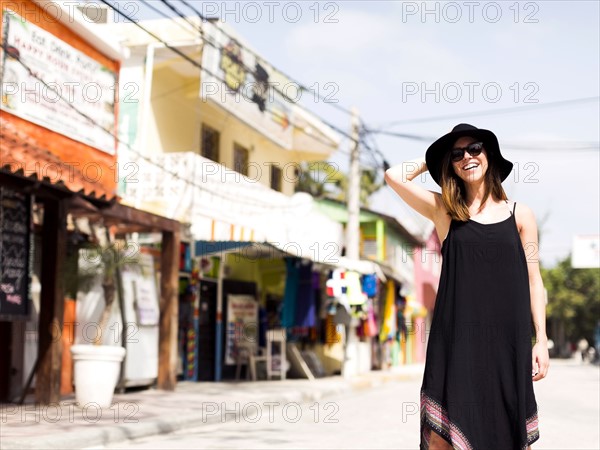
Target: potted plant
97	366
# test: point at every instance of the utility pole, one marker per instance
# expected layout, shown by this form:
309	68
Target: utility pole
353	226
350	366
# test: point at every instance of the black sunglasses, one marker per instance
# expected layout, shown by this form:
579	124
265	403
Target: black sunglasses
474	149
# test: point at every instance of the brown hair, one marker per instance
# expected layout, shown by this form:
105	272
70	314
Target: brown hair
454	192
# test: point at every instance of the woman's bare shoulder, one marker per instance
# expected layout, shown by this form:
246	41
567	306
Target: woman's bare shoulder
525	216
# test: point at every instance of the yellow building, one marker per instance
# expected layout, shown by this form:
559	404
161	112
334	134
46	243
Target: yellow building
169	104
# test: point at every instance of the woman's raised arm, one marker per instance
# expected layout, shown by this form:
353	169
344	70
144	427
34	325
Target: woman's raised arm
400	178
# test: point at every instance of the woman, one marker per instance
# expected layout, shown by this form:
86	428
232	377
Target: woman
481	360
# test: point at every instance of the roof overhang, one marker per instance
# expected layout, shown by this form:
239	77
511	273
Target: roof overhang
258	250
74	19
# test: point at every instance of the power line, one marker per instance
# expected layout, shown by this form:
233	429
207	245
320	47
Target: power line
401	135
371	153
162	13
176	11
492	112
172	91
197	29
549	146
196	64
241	92
300	85
149	160
416	218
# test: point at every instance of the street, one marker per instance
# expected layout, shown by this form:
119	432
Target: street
387	417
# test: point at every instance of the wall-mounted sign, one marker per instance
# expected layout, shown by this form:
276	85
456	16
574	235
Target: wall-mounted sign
248	87
586	251
242	325
139	287
67	74
15	246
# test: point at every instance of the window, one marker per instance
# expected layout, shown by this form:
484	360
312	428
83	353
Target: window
369	247
240	159
275	178
210	143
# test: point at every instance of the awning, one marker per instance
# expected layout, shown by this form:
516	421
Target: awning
22	155
221	204
398	275
252	250
26	164
362	266
255	250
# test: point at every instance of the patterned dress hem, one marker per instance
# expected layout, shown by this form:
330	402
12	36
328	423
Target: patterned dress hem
533	432
436	416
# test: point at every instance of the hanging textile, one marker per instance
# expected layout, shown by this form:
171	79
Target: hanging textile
332	336
291	292
305	301
388	325
262	327
370	324
354	291
369	285
336	285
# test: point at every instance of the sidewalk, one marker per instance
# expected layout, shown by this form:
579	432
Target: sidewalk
151	412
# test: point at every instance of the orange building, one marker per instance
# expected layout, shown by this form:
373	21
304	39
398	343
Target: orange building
58	162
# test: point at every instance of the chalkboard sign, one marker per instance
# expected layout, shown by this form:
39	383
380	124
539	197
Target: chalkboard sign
15	246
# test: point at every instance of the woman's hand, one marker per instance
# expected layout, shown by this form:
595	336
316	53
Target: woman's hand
399	178
540	360
408	170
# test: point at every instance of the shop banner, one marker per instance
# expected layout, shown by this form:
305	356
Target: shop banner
15	252
242	325
247	87
67	74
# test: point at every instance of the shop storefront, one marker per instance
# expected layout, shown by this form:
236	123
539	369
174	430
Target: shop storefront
236	295
40	210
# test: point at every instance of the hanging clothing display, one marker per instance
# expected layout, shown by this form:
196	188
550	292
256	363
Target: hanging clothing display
388	325
290	295
354	291
305	315
369	285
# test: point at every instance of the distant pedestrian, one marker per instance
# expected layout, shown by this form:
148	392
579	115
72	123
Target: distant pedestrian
582	347
477	391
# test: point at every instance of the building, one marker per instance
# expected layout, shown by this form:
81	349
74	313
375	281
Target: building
58	171
218	146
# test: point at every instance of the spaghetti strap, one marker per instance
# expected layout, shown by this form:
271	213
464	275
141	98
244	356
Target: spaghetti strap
515	205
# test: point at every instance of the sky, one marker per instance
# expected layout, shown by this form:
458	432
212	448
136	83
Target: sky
447	62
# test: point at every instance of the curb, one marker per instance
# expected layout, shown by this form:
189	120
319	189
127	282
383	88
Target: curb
105	435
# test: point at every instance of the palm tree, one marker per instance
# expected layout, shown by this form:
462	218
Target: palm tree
105	262
324	179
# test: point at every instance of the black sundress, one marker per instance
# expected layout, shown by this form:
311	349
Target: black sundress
477	392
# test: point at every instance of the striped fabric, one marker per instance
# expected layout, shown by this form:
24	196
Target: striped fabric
435	416
533	432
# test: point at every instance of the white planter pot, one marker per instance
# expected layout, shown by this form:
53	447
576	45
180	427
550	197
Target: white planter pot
96	372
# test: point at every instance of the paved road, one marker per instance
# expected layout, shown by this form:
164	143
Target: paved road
387	417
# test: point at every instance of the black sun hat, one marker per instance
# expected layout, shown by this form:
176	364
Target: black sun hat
436	151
